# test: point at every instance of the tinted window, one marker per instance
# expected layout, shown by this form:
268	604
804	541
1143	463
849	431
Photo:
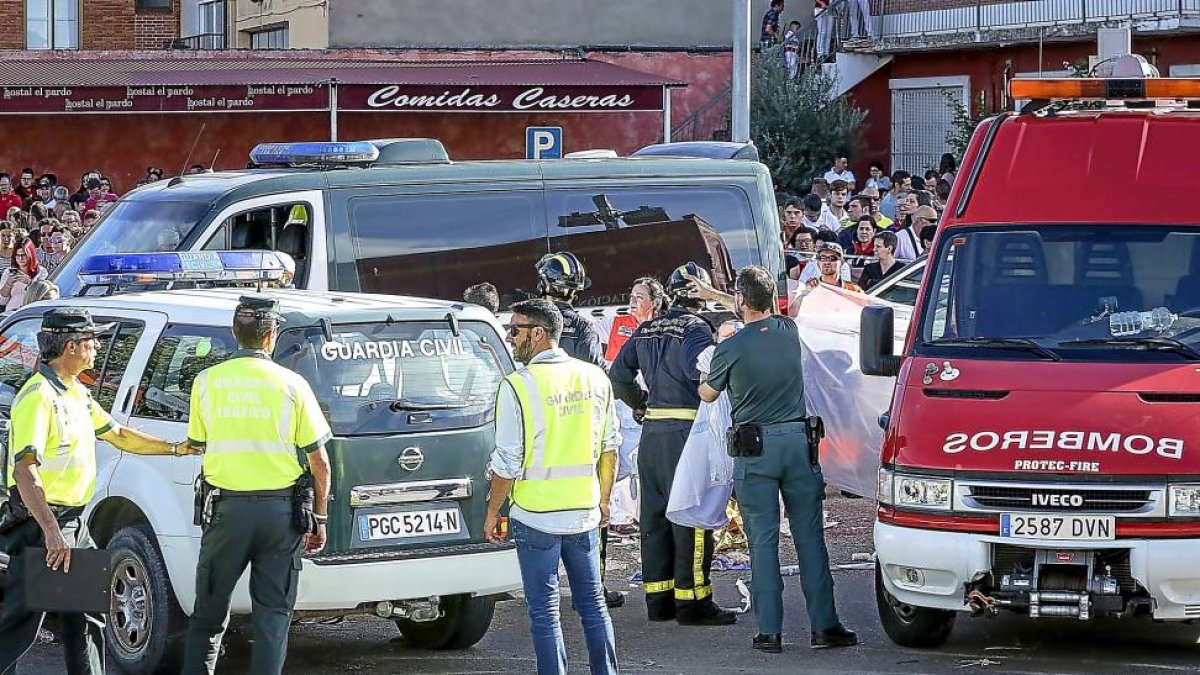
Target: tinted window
624	233
386	378
112	360
180	354
438	245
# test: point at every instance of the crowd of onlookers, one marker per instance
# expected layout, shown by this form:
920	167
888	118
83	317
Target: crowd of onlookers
872	229
42	219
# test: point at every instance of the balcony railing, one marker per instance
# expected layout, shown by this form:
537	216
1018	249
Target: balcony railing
975	21
201	41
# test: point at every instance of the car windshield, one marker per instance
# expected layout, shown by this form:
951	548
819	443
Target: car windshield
380	378
131	227
1071	292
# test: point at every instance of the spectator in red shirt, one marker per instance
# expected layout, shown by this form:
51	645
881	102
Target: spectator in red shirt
97	194
8	198
26	189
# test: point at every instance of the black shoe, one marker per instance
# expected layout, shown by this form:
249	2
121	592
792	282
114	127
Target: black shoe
771	643
614	599
705	614
838	636
660	611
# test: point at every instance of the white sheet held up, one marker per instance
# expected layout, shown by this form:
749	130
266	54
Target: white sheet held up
704	475
836	389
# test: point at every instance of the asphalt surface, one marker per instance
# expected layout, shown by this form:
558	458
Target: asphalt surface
1004	645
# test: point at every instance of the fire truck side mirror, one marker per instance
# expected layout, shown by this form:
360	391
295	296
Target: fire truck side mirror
875	346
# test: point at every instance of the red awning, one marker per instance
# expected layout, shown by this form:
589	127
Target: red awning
254	84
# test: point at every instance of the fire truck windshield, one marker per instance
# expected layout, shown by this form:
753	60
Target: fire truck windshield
1071	292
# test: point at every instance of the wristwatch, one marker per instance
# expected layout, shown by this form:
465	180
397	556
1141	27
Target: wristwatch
321	520
175	449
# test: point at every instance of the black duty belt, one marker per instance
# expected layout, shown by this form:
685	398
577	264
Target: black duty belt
282	493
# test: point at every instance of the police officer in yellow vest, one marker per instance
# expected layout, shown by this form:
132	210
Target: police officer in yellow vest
256	421
556	456
52	464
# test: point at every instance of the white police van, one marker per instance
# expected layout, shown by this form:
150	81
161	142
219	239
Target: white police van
408	386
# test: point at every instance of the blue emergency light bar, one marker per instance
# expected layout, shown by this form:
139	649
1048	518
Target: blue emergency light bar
116	270
314	153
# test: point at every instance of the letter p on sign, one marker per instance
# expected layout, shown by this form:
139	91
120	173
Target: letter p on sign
543	143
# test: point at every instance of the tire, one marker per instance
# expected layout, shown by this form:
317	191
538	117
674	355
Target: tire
145	627
909	626
464	622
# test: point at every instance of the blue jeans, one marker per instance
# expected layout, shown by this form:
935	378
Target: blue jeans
538	554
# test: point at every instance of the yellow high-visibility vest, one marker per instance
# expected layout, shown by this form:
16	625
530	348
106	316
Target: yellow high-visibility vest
57	424
563	409
251	416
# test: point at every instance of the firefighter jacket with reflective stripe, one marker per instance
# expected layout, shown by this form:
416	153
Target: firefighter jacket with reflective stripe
664	350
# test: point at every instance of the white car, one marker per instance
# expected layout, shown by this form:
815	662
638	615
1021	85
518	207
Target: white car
901	288
408	386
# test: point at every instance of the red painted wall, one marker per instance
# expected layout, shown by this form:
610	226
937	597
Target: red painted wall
986	69
122	146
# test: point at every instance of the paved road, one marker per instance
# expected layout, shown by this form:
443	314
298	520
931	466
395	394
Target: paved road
1004	645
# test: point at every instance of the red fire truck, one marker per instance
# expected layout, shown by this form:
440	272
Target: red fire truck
1042	450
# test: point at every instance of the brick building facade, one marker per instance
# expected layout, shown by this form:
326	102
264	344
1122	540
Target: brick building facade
927	52
102	25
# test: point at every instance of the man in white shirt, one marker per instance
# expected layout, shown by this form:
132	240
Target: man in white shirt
555	518
841	171
817	216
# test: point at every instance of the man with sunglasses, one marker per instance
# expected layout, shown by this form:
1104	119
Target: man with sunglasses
556	458
52	465
829	268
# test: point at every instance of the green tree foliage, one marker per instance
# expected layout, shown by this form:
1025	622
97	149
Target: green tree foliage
963	123
799	126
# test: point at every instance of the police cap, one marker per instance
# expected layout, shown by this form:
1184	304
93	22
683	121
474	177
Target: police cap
258	307
67	320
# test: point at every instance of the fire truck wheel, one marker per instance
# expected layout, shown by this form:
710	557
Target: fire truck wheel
910	626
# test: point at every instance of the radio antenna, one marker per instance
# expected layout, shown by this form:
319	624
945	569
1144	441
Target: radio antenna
196	142
214	160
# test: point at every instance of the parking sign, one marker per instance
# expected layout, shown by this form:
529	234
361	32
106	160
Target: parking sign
543	143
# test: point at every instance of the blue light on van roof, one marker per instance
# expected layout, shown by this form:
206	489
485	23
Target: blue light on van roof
318	153
117	270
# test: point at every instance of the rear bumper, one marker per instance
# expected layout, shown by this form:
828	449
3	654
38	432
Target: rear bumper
927	568
348	585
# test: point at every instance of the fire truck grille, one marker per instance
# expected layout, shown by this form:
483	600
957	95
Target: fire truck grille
1024	498
1007	558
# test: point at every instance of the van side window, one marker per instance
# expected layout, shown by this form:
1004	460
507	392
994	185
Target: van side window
437	245
280	227
622	233
181	353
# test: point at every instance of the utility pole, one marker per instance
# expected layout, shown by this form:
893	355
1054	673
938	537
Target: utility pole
741	71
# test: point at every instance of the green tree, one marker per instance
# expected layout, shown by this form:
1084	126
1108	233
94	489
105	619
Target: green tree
963	123
799	126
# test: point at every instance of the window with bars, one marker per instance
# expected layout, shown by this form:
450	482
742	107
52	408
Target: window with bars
921	120
52	24
272	38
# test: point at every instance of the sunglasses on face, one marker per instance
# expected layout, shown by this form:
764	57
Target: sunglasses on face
514	328
826	258
56	240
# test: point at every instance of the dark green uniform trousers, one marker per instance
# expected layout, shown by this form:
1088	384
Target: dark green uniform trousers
785	468
254	531
676	560
82	634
